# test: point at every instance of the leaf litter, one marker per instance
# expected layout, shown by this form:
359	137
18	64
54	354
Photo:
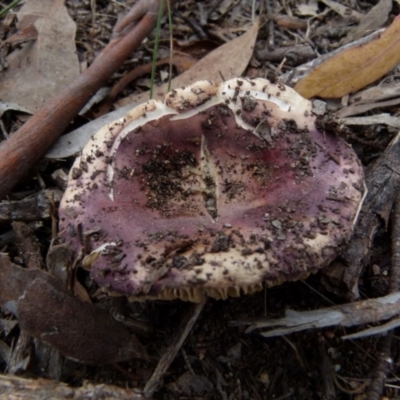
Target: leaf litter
45	65
204	361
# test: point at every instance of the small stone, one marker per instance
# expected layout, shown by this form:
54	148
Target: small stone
376	269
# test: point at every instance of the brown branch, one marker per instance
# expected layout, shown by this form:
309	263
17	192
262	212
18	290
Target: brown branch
384	364
382	179
13	387
24	148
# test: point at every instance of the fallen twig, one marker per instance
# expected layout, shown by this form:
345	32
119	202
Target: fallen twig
170	353
30	389
383	183
352	314
381	370
385	362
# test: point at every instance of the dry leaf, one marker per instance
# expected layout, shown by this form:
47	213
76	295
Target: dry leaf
11	106
374	19
229	60
355	68
376	93
384	118
355	109
296	74
73	142
309	9
50	313
41	68
342	10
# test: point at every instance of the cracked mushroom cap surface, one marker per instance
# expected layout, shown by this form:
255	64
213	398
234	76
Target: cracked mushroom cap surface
216	190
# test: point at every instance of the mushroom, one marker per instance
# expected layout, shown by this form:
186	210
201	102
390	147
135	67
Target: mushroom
215	191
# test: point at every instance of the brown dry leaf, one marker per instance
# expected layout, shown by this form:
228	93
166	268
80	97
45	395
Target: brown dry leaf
355	68
229	60
41	68
50	313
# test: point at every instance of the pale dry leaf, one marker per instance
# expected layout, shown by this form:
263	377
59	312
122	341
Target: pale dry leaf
376	330
224	6
383	118
355	68
100	95
11	106
355	109
73	142
309	9
374	19
352	314
229	60
342	10
40	69
376	93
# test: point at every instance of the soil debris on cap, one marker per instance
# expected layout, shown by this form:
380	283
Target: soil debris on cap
215	191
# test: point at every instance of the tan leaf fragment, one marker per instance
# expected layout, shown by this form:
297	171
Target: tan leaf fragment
355	68
309	9
376	93
342	10
41	68
229	60
355	109
374	19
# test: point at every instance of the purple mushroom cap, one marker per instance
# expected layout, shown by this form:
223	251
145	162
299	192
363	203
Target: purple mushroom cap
215	191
